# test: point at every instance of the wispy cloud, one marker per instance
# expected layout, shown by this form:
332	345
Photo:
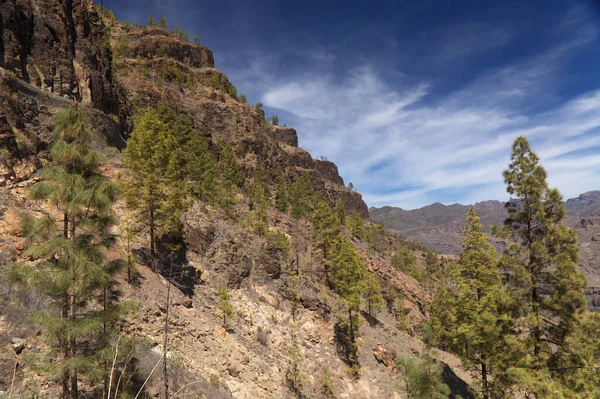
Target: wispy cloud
401	147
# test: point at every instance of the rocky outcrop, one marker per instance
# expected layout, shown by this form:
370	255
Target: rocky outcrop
154	42
285	135
586	204
59	46
329	171
385	356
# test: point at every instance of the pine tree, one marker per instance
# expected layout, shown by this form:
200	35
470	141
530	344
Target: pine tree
372	294
198	163
423	378
542	258
347	277
481	325
302	197
260	204
442	312
281	193
196	40
70	266
151	21
294	375
259	110
326	387
128	232
340	211
356	225
325	233
156	189
406	261
226	308
163	22
231	171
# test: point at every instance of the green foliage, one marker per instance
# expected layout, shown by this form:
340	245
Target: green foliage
480	322
356	225
442	312
294	377
215	81
156	190
543	255
183	78
432	266
372	294
325	234
282	201
106	14
163	22
196	40
259	204
151	21
376	238
69	264
260	111
178	32
274	120
225	308
326	386
243	99
121	48
302	197
347	278
278	240
423	378
406	261
129	230
230	168
340	211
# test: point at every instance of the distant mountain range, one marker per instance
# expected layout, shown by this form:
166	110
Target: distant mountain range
439	227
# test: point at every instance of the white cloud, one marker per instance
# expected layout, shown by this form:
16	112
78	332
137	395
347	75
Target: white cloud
401	148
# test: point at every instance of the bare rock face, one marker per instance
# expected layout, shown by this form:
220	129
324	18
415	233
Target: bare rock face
286	135
385	356
585	222
59	46
329	171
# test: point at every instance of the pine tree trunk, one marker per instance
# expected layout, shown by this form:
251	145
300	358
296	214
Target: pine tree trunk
166	333
484	381
152	227
72	315
64	343
351	326
73	352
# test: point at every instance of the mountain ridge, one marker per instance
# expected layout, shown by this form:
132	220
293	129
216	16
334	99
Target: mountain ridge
439	227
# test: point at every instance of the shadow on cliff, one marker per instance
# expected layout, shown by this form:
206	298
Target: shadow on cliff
171	262
458	388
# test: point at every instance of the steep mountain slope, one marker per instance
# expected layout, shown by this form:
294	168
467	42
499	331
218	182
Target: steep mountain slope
439	227
53	52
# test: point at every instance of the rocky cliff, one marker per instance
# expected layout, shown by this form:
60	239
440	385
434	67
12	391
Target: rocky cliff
439	227
58	46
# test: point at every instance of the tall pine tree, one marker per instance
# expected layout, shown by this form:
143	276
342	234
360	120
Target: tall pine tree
480	322
325	233
156	189
68	249
347	276
541	269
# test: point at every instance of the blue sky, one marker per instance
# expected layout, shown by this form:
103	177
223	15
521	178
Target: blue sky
415	101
